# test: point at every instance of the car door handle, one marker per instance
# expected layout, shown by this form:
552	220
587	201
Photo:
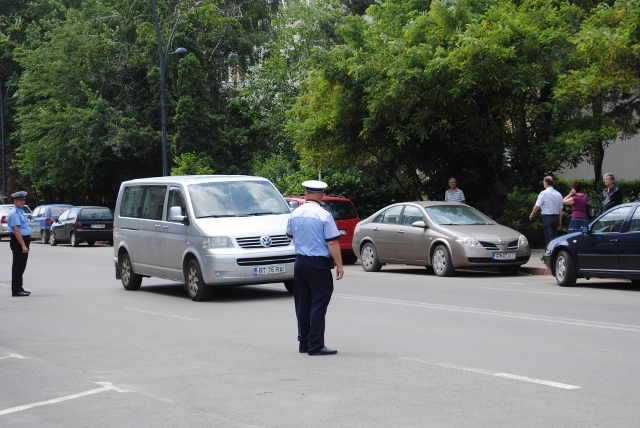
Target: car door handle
401	231
613	240
375	229
157	227
165	227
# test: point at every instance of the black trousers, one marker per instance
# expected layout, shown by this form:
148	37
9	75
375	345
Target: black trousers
19	262
312	290
550	226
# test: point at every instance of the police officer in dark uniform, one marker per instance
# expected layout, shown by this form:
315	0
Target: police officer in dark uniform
315	237
20	230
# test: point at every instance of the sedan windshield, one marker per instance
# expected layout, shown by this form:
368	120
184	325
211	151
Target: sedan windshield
458	214
236	199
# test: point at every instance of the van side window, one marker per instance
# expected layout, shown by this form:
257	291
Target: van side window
153	203
131	201
176	200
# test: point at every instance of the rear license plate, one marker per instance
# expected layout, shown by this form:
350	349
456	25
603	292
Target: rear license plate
268	270
504	256
342	232
97	226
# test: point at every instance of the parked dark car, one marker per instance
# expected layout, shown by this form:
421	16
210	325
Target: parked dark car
83	224
42	218
608	248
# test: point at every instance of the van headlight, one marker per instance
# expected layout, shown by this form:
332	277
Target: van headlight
217	242
468	241
522	241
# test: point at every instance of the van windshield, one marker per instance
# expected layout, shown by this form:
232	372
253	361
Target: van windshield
236	199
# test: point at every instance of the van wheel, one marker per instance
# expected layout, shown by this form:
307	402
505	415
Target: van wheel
289	285
197	289
369	258
74	240
565	270
441	262
130	280
52	240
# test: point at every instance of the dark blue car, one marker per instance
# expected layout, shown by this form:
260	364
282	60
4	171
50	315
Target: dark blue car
608	248
42	218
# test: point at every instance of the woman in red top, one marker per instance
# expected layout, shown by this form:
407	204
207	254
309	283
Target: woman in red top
578	202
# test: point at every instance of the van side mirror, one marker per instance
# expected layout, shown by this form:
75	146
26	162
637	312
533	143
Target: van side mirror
175	214
293	204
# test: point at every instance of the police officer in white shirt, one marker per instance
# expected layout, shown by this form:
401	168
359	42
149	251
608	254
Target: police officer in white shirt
315	237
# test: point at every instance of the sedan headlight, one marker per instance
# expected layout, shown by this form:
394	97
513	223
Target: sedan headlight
468	241
522	241
217	242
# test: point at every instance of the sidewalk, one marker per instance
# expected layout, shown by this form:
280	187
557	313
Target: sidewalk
535	266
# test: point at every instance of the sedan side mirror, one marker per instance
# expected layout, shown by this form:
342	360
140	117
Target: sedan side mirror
584	229
420	223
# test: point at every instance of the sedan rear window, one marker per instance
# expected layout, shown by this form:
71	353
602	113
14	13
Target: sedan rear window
56	211
96	213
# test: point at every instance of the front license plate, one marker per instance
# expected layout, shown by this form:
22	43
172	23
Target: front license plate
268	270
504	256
97	226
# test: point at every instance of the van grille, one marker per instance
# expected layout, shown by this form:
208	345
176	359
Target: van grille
259	261
255	241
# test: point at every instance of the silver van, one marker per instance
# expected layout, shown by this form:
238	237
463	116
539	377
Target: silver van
203	230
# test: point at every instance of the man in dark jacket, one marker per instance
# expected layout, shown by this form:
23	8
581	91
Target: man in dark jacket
611	195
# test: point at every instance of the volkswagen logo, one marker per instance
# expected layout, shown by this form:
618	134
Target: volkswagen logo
265	241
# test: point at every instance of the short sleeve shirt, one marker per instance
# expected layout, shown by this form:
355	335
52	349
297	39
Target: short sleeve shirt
311	226
549	201
16	217
457	196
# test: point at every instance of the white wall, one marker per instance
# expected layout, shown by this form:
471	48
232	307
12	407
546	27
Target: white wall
622	159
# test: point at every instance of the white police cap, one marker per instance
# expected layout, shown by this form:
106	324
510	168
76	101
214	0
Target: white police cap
19	195
314	186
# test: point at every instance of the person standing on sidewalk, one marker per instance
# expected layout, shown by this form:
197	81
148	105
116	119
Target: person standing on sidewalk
20	230
550	205
315	237
611	194
454	194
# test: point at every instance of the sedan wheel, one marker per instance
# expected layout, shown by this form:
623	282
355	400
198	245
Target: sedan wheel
74	241
441	261
44	237
565	270
197	289
52	240
369	258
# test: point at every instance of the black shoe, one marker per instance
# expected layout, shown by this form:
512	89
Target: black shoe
25	291
303	347
324	351
21	293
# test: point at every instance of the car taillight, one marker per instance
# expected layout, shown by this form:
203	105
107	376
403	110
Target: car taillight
78	225
48	220
4	219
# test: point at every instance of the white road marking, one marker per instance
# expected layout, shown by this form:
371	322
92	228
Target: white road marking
569	321
20	357
528	291
106	386
490	373
162	315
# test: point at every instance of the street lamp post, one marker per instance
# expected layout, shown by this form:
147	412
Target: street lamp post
163	66
3	101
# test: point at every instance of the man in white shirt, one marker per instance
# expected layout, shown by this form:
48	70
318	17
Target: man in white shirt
454	194
550	205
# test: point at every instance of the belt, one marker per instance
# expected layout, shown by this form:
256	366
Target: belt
550	215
